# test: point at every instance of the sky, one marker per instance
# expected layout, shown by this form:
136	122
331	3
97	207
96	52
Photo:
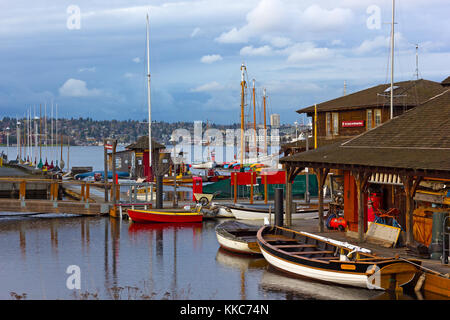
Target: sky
89	57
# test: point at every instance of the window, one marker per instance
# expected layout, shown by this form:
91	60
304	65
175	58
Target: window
328	123
369	119
335	123
377	117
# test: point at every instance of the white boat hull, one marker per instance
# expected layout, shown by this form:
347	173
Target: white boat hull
235	245
343	278
252	215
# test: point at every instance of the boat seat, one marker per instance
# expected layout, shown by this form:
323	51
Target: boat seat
327	258
281	239
295	246
311	252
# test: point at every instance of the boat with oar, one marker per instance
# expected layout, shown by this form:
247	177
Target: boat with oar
319	258
164	215
261	212
238	237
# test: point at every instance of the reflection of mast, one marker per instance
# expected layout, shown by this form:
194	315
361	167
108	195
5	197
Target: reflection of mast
242	113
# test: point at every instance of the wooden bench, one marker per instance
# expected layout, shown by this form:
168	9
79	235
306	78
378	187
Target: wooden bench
281	239
311	252
295	246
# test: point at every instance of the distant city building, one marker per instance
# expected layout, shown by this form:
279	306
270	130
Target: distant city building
275	120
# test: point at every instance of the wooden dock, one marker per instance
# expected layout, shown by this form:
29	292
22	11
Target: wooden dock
48	206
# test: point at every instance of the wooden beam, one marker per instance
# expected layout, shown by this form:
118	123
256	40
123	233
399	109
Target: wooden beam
321	174
361	180
410	184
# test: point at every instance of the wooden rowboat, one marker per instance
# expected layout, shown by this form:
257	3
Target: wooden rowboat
164	215
238	237
307	255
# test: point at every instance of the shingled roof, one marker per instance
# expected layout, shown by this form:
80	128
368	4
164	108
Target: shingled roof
142	143
410	93
446	82
419	139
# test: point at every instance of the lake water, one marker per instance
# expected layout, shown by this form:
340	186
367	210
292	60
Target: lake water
123	260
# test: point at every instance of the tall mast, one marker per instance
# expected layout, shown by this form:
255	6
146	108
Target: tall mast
242	113
149	103
392	60
265	126
254	117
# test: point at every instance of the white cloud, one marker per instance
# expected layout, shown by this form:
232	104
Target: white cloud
382	42
270	18
261	51
211	58
137	60
306	51
316	18
211	86
77	88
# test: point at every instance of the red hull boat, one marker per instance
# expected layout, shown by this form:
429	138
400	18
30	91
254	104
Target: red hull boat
164	215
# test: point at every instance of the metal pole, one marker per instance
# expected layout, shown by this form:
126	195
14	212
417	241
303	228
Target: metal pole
392	60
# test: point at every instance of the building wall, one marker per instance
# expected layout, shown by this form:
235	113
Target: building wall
377	115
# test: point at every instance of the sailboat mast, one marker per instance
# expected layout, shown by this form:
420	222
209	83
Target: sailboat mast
242	114
149	102
392	60
265	125
254	117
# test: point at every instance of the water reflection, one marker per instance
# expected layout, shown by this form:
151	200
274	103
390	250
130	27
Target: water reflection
242	263
120	259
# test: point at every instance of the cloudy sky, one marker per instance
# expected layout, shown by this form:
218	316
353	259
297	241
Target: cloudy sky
89	57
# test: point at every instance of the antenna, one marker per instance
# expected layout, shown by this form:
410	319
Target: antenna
417	61
345	88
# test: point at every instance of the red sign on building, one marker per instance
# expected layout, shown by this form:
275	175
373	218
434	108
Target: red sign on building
353	123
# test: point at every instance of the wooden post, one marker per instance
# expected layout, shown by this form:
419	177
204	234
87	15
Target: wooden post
105	162
83	191
114	145
235	187
87	191
410	185
361	180
251	187
22	189
288	203
321	174
265	189
291	173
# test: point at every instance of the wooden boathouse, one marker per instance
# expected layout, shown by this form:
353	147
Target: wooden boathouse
353	114
403	156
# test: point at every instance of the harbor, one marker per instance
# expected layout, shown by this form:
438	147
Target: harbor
331	196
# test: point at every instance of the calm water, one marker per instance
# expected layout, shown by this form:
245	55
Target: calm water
123	260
